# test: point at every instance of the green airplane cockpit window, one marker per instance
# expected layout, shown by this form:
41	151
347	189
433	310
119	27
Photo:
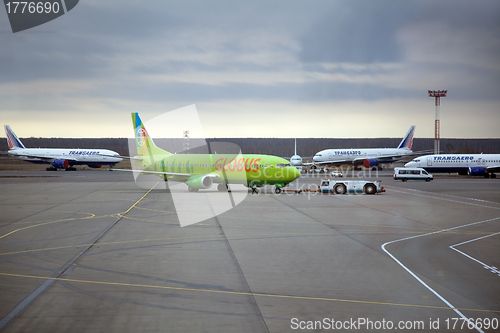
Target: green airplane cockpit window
282	165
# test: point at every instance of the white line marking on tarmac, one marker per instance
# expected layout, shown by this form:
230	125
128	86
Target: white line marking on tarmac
433	197
420	280
449	195
493	269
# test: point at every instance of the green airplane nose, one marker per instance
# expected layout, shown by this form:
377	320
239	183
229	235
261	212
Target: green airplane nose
294	173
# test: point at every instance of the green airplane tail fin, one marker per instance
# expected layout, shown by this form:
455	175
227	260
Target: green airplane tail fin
144	143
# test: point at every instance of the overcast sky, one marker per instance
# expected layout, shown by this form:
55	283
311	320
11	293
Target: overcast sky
257	68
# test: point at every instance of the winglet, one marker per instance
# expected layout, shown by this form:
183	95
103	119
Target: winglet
12	138
407	141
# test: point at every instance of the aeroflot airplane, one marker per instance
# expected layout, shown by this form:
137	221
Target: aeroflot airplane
200	171
59	158
463	164
367	157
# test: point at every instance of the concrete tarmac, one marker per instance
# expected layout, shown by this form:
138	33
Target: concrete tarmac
91	251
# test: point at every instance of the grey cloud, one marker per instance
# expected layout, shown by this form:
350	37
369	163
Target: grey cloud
113	46
357	32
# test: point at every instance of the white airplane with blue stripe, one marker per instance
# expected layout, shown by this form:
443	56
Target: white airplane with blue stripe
367	157
60	158
464	164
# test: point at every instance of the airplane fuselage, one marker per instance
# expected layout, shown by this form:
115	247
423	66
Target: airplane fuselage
369	157
357	156
472	164
246	169
91	157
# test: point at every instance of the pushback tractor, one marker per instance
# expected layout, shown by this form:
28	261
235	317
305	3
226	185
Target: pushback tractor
351	186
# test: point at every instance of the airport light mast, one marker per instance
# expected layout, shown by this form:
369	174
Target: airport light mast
437	94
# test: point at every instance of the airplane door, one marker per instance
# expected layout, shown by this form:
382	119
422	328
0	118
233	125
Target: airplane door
479	161
266	167
429	161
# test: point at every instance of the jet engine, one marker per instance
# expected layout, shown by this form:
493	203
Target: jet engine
476	171
200	182
94	165
61	164
369	162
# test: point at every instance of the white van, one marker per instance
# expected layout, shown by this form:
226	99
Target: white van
412	173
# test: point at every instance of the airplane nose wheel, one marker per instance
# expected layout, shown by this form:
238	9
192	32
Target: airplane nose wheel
277	190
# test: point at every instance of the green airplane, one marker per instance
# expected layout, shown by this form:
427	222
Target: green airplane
201	171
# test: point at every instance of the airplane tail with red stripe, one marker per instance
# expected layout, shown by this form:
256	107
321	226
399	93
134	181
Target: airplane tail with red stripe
407	141
12	139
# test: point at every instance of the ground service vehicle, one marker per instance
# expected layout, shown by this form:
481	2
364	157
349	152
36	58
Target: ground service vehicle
350	186
412	173
337	174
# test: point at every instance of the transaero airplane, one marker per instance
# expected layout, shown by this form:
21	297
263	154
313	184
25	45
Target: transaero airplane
464	164
59	158
201	171
368	157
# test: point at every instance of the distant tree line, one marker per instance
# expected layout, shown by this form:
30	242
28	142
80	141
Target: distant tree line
271	146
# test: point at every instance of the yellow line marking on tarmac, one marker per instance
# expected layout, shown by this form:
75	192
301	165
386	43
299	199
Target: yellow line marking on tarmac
271	220
353	230
245	293
234	237
156	210
104	231
164	239
45	223
333	224
128	210
52	211
75	219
